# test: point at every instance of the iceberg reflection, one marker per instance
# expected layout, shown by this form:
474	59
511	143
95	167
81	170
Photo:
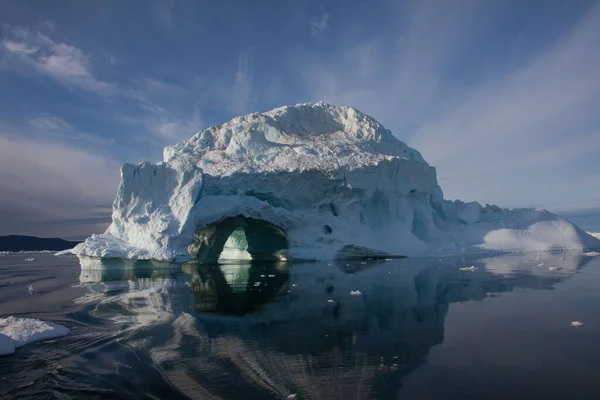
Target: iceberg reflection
266	330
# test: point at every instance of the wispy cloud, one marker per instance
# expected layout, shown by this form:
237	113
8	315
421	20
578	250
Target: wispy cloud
170	112
240	98
320	23
33	50
48	127
50	123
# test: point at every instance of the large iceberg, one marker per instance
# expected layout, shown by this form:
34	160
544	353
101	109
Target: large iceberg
311	181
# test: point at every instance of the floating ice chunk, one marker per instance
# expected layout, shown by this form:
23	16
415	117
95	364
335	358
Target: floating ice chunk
26	330
471	268
330	301
7	345
30	259
291	396
552	268
30	289
591	254
576	324
355	293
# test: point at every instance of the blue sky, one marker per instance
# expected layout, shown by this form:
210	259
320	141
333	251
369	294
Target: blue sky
503	97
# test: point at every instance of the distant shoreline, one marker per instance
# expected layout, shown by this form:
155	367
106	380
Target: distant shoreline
18	243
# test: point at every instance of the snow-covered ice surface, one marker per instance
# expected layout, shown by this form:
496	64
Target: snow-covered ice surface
16	332
594	234
334	181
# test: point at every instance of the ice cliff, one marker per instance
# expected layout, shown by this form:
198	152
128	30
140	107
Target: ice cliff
311	181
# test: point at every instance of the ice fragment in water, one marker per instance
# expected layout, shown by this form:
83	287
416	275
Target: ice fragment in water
471	268
576	324
355	293
26	330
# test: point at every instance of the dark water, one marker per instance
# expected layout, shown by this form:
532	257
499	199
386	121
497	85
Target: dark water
419	329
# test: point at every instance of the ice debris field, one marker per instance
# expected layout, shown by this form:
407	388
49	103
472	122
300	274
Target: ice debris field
311	181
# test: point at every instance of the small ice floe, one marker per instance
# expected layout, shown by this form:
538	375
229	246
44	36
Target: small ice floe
262	276
363	262
576	324
355	293
291	396
471	268
271	276
256	283
541	265
16	332
591	254
330	301
30	259
552	268
293	285
30	289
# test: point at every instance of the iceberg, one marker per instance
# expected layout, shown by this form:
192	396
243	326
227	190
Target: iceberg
306	182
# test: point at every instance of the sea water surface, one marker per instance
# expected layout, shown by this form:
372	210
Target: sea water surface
453	328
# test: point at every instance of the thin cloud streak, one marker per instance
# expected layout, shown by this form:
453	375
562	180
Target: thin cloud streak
319	24
62	62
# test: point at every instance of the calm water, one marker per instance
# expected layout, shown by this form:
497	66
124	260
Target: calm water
419	329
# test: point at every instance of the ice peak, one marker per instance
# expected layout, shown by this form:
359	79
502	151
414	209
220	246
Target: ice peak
300	137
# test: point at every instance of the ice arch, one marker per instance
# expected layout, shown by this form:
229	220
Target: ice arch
239	238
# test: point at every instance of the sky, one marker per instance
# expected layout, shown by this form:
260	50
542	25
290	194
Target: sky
502	97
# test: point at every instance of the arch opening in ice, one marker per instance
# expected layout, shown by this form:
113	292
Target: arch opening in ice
239	238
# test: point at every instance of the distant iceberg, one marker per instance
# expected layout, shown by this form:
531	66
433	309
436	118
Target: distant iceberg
311	181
